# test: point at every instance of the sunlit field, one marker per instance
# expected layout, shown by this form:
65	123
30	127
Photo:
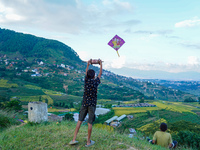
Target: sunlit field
5	84
129	110
32	87
60	110
172	106
145	127
36	98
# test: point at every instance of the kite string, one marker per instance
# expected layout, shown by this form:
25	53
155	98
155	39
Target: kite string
118	53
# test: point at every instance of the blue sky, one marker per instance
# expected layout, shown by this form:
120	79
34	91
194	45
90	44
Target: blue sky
159	35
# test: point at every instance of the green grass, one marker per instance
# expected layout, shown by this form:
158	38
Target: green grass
5	84
57	136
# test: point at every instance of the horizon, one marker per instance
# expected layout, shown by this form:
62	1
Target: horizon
154	40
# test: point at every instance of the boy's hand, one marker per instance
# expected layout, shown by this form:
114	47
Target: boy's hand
100	62
89	62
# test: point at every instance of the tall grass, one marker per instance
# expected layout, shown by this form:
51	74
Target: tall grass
9	118
57	136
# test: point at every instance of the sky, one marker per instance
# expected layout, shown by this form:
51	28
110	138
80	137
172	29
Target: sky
159	35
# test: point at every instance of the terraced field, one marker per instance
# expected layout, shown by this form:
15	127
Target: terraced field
130	110
5	84
171	106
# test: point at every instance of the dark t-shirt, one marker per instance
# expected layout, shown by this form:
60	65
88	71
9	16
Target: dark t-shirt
90	91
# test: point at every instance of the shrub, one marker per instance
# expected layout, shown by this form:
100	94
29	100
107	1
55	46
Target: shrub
68	116
187	138
7	118
4	121
189	99
14	105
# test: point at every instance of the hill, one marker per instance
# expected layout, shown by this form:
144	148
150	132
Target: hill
57	136
191	87
26	46
34	65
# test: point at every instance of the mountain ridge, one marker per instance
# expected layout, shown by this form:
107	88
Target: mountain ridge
157	74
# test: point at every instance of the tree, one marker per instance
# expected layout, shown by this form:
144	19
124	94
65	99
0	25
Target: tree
71	105
46	101
108	105
141	100
40	98
63	105
3	98
149	114
118	103
66	106
189	99
68	116
199	99
55	103
14	104
151	97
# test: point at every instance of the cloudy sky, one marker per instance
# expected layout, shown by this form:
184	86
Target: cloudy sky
159	35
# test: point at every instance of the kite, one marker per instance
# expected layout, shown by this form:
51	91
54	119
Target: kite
116	42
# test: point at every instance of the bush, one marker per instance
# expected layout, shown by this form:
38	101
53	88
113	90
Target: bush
4	121
7	118
13	105
184	126
189	99
187	138
68	116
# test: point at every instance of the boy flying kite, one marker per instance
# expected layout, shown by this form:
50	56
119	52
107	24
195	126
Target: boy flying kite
89	102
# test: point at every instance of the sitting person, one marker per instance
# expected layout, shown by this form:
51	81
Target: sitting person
163	138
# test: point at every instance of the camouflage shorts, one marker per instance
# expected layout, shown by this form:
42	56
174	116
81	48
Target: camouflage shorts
90	110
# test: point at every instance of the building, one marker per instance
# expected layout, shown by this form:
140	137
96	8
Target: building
110	120
121	118
62	65
36	75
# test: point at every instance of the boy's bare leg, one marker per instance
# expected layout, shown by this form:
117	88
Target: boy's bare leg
89	133
78	125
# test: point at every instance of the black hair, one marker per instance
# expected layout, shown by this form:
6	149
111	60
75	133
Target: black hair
90	73
163	127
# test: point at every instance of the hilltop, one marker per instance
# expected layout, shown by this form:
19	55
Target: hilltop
30	66
54	135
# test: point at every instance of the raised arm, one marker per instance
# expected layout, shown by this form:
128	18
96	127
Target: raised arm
100	72
88	63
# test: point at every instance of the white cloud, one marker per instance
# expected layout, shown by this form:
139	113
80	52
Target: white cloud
193	60
83	55
42	14
189	23
72	16
125	5
106	2
118	5
14	17
8	14
116	63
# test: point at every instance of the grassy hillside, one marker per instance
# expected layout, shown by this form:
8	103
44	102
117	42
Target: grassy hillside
19	45
57	136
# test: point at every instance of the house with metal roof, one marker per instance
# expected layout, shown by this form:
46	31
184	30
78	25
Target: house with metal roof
121	117
110	120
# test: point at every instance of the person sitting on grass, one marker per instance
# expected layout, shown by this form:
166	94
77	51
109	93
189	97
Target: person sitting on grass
88	103
163	138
